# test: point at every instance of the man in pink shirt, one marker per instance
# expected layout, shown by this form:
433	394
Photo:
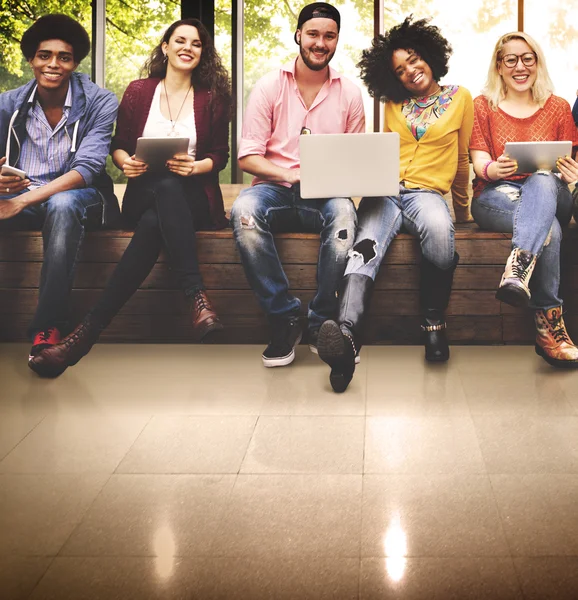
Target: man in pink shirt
303	96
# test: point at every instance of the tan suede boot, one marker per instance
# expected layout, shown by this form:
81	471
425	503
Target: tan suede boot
553	343
514	288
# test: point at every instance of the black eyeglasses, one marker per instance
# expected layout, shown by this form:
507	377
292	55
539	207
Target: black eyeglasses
511	60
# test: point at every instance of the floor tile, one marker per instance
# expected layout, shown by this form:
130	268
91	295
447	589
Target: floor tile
291	515
538	513
303	388
485	359
438	579
306	445
190	444
401	383
129	578
432	444
505	393
281	578
15	425
528	443
142	515
75	443
118	578
20	574
39	512
548	578
430	516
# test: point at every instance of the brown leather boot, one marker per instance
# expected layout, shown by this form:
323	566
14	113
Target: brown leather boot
205	319
553	343
68	352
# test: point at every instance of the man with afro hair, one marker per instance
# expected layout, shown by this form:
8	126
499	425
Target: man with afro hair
55	131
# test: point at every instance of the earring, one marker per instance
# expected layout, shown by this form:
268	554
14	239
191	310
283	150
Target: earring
165	58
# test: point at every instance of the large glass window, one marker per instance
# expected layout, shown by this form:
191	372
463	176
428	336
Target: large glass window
16	17
460	23
556	30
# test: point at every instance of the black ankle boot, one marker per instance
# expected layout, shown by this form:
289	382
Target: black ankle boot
434	336
338	343
435	290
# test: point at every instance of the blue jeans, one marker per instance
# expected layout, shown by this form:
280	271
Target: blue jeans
423	213
266	208
62	219
535	212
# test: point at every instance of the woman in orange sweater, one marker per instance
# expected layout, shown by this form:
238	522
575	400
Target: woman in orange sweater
517	105
403	68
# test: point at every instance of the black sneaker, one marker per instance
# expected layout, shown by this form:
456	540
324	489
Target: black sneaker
285	335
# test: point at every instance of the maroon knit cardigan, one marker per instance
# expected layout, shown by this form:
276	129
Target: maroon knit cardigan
212	135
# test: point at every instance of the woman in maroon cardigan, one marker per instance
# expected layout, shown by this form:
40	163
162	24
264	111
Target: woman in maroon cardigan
186	94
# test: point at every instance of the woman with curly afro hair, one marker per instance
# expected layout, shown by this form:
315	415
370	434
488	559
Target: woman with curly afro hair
403	69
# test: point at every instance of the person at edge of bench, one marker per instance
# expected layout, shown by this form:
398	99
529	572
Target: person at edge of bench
186	94
403	68
517	104
304	96
57	130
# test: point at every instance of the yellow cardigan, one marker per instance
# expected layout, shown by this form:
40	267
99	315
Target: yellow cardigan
439	160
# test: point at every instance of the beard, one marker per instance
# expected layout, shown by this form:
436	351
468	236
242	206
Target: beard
314	66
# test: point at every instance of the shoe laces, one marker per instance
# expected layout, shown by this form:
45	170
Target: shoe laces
202	302
77	335
520	267
556	325
44	336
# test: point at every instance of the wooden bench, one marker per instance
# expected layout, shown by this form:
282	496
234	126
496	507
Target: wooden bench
158	311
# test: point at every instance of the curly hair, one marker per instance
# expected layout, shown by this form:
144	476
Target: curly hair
56	27
210	73
376	63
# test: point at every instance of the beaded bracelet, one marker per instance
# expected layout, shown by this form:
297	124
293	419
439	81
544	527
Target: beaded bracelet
485	171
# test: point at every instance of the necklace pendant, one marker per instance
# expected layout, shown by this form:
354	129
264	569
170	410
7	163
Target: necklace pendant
172	133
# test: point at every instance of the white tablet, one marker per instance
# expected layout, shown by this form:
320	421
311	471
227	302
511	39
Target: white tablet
155	151
537	156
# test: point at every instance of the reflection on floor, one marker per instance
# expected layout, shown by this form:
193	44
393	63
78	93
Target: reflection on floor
165	471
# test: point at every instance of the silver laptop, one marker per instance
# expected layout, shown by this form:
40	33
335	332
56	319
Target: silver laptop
349	164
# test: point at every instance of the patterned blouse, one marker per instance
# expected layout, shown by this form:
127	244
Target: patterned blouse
422	112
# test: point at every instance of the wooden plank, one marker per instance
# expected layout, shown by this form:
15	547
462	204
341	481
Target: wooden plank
244	302
232	276
254	330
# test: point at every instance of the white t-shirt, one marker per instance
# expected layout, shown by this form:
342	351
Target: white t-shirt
159	126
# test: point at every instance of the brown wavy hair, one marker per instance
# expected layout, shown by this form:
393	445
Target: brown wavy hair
210	73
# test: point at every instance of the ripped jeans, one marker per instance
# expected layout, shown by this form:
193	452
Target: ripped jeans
423	213
535	211
268	208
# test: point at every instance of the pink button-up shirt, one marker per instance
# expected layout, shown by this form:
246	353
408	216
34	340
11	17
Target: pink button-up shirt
276	114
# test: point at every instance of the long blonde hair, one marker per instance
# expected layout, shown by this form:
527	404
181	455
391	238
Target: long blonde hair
495	89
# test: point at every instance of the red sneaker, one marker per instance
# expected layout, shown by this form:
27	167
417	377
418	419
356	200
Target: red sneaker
44	339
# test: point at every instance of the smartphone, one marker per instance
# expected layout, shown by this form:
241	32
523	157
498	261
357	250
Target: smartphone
8	170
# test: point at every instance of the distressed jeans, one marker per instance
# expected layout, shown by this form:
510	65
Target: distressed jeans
534	211
422	213
62	219
268	208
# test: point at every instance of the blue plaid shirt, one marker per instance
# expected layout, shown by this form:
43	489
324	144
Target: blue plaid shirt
45	151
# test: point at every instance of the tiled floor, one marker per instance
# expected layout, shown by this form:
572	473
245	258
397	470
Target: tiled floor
152	471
